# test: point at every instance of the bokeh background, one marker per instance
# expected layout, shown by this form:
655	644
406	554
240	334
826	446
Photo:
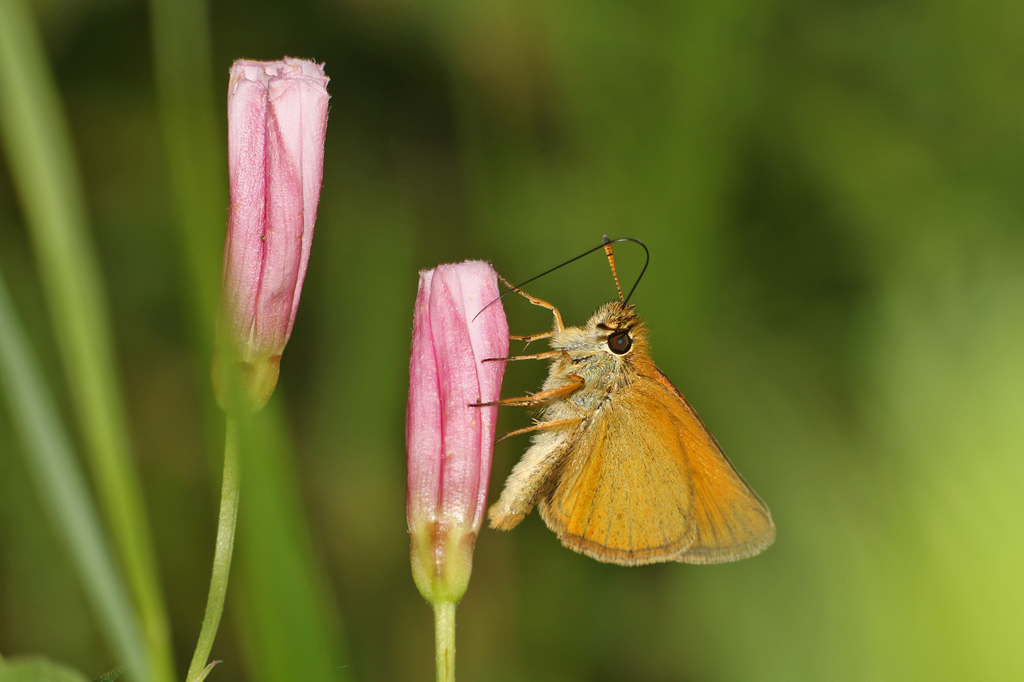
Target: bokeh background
832	195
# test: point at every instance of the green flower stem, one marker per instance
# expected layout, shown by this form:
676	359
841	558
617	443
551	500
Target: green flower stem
38	146
222	555
444	639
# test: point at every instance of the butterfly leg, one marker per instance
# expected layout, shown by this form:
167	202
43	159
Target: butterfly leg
540	426
530	338
538	302
575	383
547	355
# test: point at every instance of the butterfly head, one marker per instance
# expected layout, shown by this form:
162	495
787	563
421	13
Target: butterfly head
616	329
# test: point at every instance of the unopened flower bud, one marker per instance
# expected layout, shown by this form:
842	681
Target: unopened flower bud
450	443
277	120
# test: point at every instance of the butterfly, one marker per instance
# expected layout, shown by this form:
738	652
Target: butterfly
622	468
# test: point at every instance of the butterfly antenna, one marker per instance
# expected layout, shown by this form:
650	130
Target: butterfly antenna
611	261
647	262
606	245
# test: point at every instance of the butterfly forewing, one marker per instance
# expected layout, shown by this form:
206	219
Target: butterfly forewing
657	489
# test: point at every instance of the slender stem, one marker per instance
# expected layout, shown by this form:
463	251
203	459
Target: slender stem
222	554
444	640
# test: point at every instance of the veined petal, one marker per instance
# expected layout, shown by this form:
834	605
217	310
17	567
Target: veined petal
423	427
488	332
459	386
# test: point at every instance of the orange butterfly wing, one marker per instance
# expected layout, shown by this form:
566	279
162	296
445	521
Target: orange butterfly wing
646	482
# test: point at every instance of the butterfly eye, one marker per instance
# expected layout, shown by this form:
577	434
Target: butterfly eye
620	343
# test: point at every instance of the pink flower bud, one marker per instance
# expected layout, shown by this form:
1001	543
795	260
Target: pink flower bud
277	120
449	443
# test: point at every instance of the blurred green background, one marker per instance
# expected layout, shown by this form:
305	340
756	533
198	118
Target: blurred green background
832	195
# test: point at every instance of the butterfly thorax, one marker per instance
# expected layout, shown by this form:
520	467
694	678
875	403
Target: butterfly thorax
606	353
